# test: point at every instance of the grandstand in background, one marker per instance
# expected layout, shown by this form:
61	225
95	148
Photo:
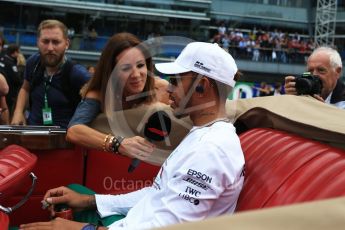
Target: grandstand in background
196	19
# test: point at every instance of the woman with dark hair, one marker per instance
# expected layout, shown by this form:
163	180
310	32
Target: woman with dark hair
127	60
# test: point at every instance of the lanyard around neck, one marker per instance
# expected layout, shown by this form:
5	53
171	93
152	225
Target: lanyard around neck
47	83
48	80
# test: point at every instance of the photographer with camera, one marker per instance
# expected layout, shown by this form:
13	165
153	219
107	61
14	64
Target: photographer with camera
323	79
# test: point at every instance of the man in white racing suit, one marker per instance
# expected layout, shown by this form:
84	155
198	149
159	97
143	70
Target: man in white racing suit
202	177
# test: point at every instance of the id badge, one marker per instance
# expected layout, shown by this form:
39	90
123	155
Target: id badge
47	116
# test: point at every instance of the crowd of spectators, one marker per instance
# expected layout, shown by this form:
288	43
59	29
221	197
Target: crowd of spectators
255	44
268	46
251	44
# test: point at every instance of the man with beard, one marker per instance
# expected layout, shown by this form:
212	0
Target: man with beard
51	81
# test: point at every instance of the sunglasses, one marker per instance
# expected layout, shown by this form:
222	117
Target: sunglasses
174	80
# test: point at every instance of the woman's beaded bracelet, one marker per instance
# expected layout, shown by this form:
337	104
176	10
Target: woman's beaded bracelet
106	139
110	144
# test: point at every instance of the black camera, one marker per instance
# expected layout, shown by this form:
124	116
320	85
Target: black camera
308	84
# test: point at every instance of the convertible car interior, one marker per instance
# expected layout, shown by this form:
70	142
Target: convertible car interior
288	161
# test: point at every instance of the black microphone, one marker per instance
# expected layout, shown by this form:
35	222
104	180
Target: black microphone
157	128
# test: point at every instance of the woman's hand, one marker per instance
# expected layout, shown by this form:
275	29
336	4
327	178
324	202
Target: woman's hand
136	147
18	119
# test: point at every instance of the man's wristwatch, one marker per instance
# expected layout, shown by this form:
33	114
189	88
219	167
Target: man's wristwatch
90	227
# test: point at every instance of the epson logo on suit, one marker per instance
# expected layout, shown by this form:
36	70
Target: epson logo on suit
199	175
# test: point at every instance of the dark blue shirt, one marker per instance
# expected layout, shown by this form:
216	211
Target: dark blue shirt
62	109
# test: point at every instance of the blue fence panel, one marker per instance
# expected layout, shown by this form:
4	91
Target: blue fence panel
28	40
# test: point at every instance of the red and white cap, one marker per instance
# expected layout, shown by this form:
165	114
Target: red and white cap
204	58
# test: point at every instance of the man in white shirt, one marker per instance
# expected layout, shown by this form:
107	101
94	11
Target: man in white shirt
202	177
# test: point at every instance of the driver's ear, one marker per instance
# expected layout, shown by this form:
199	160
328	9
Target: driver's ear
203	86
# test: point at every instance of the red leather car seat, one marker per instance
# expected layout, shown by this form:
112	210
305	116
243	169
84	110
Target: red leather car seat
283	169
16	163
